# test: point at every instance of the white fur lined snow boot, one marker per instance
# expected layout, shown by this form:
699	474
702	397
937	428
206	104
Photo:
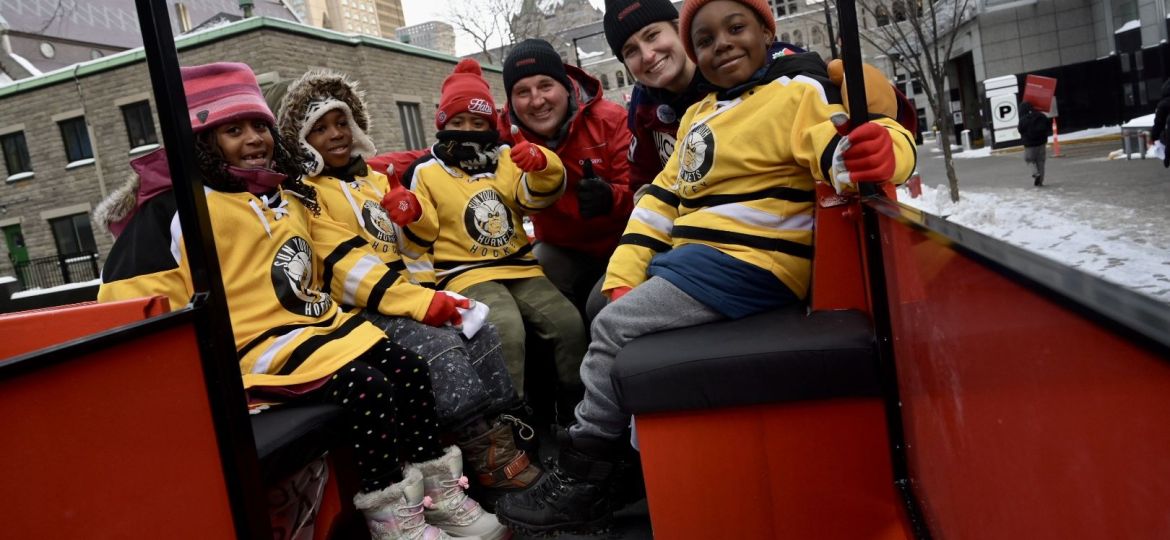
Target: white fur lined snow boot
396	512
448	507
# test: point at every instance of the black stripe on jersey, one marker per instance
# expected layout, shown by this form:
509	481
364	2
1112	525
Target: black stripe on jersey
913	148
339	253
670	199
448	265
782	193
311	345
492	264
380	288
827	158
429	284
144	247
789	247
635	239
416	238
536	193
281	330
396	266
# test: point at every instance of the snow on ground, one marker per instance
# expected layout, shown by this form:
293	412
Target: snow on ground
1037	221
47	290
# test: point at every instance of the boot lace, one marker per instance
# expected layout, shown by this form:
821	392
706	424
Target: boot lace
452	491
411	521
524	428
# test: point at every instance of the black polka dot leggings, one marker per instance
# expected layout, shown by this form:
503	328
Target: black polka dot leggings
389	410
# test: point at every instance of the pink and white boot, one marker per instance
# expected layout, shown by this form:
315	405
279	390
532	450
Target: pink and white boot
447	507
396	512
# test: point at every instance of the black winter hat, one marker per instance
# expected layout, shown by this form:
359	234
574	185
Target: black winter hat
624	18
533	57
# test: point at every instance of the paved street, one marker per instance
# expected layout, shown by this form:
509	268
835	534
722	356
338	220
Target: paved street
1084	177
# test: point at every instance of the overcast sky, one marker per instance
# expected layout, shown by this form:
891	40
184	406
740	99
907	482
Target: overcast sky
420	11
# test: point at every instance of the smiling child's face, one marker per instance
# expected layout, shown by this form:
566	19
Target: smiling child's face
332	137
246	144
730	42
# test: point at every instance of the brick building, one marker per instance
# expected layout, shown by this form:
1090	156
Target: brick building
67	136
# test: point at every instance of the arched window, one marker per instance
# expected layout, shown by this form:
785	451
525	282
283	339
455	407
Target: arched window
798	38
881	15
899	8
605	81
621	79
817	35
785	38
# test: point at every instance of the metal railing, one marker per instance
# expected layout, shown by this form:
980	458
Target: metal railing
45	272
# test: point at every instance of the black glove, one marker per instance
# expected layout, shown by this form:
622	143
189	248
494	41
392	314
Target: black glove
594	195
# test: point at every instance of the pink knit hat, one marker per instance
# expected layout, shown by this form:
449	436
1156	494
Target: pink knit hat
223	92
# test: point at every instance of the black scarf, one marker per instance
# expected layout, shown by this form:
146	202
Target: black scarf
355	168
475	152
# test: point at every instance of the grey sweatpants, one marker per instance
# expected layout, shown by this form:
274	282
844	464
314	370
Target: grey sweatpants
468	376
653	306
1035	156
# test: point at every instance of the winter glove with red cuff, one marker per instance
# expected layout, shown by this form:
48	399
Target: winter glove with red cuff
594	195
402	206
526	155
617	292
445	309
865	154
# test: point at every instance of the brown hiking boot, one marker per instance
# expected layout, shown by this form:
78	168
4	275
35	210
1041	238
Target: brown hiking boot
499	467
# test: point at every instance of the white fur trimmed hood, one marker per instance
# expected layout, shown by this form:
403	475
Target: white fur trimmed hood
308	99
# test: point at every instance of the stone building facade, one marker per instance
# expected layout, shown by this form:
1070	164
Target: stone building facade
44	210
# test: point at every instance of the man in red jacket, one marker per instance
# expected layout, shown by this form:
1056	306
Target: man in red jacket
561	108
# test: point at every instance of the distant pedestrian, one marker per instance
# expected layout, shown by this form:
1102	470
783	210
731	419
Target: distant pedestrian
1034	130
1158	133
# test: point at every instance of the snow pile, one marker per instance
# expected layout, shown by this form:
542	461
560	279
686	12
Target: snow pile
1081	235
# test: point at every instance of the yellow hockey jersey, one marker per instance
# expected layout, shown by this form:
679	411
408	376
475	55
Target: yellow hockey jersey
357	204
741	177
274	256
479	235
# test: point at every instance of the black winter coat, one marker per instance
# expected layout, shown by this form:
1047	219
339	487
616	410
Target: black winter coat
1034	126
1161	115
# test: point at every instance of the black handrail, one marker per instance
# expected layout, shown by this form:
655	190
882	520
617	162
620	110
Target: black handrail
221	370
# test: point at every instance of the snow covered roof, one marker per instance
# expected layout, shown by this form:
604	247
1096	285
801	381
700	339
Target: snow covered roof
1129	25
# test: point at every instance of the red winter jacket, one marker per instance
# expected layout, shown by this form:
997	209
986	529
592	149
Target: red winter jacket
395	164
596	131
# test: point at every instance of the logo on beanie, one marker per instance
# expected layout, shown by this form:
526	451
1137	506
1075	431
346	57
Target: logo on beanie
633	7
488	220
442	117
525	62
202	116
697	155
480	105
292	275
380	227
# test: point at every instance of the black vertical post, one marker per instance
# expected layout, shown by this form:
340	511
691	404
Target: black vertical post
829	30
875	268
221	369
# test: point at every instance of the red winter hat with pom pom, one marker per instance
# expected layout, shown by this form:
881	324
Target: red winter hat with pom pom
465	90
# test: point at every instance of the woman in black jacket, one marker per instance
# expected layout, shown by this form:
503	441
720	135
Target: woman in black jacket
1034	130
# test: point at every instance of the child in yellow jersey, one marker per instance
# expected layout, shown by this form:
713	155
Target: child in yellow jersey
293	342
478	191
324	111
724	231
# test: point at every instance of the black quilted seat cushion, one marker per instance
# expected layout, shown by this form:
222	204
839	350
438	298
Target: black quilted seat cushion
290	436
770	357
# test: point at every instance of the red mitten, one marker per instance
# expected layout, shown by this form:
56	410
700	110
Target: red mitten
444	309
402	206
617	292
866	154
525	154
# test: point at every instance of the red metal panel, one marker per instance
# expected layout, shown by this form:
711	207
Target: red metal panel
794	470
27	331
118	443
838	275
1023	419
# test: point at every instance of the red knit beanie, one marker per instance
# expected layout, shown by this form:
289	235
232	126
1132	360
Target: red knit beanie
691	7
465	90
223	92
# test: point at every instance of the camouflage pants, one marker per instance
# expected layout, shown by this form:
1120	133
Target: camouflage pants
535	303
468	376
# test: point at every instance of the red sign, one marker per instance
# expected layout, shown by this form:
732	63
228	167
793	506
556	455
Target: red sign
1039	91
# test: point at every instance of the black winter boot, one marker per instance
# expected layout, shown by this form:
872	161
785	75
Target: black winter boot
574	496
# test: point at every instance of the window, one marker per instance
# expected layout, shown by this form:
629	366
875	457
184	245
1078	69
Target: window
798	38
783	7
16	153
73	235
139	124
899	11
76	138
605	81
412	132
818	35
881	16
785	37
621	79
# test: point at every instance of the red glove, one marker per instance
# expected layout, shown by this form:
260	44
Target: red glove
525	154
444	309
617	292
865	154
402	206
